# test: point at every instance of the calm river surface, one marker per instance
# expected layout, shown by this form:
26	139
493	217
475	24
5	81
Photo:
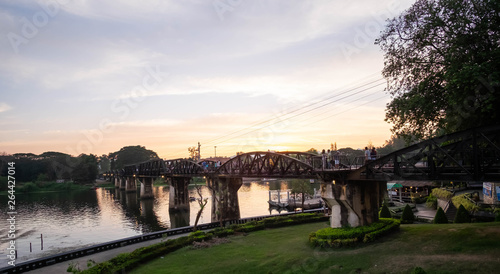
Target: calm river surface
70	220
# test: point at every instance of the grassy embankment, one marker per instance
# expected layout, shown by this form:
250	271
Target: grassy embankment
447	248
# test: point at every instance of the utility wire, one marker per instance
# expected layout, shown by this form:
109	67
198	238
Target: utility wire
288	113
299	114
292	110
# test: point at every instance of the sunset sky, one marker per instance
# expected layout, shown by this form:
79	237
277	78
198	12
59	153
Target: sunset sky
89	76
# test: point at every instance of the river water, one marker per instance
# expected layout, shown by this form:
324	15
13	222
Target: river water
70	220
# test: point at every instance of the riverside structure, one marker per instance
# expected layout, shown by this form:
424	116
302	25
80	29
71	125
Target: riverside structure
353	190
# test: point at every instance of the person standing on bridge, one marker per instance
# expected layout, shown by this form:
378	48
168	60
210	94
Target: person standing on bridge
329	159
367	154
373	154
337	159
323	159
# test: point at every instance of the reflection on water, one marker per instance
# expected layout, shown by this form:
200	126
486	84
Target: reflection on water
71	220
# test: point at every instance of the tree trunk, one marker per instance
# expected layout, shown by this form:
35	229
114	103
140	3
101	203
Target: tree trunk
195	227
303	200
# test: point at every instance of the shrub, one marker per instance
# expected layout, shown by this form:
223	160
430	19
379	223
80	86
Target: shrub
199	236
418	200
308	217
440	217
4	185
431	202
339	237
462	200
384	212
222	232
275	221
418	270
407	217
28	187
462	215
250	226
442	194
370	237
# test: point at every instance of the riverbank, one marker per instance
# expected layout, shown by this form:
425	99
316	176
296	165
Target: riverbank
41	187
447	248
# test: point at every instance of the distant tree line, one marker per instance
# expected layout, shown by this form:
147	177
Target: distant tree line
82	169
51	166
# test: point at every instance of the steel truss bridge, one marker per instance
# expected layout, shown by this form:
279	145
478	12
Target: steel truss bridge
471	155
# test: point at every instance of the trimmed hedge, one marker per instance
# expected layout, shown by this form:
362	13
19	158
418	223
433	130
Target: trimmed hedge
128	261
440	217
384	212
442	194
462	215
338	237
407	217
468	205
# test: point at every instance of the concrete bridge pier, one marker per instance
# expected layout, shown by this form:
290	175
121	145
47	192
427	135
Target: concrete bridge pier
179	194
131	201
147	188
117	181
225	202
353	203
130	185
123	182
147	206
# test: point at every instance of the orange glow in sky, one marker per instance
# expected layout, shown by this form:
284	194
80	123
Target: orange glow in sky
263	75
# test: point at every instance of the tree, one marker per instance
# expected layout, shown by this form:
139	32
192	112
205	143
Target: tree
131	155
391	145
313	151
407	217
104	164
440	217
462	215
384	212
442	65
202	202
302	187
86	169
193	153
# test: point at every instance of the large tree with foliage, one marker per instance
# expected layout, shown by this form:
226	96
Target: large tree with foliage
85	170
131	155
442	64
301	187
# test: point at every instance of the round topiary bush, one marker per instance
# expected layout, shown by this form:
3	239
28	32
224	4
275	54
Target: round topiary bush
440	217
384	212
462	215
407	217
418	270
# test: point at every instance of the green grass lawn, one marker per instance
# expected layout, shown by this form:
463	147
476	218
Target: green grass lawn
447	248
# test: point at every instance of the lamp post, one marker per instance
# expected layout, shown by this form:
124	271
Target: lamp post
215	148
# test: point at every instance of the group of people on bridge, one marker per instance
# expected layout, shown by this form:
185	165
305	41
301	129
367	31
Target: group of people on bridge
210	164
330	159
370	154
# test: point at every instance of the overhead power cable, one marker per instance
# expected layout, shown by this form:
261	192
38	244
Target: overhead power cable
315	105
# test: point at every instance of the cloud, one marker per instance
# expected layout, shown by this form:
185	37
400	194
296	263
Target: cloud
4	107
219	75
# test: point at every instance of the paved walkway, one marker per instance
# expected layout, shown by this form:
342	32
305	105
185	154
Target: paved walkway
425	212
98	257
